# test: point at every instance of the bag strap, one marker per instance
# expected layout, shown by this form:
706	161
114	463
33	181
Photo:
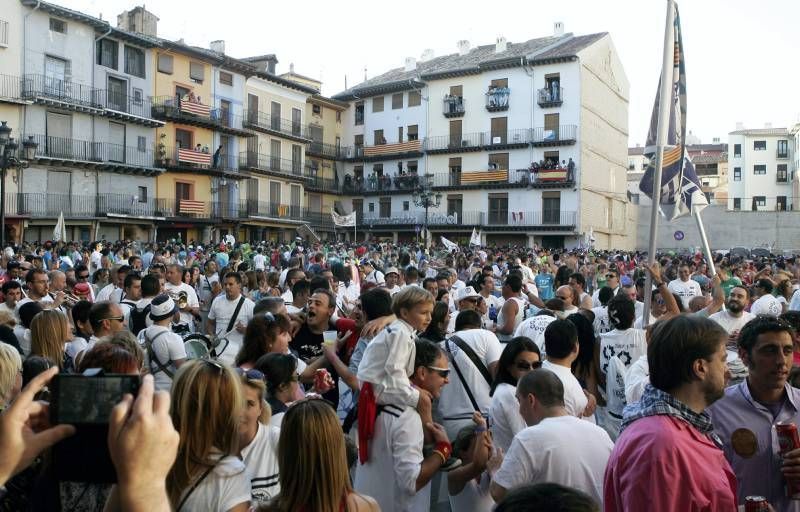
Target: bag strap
473	357
461	378
194	486
153	357
235	314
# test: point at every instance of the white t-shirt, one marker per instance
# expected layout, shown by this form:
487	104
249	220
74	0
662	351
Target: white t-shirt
226	486
107	293
628	345
474	497
517	318
636	379
260	262
575	400
732	324
261	459
167	348
454	404
686	290
204	286
563	450
534	328
221	312
191	296
506	419
766	305
601	323
395	460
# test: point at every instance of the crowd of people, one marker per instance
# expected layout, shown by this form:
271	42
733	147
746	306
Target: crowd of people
331	377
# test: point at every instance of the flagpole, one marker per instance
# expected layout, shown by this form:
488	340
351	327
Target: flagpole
665	98
704	241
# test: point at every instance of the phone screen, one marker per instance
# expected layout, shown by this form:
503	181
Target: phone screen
82	400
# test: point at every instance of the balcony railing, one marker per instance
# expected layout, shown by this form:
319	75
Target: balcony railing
267	123
480	178
453	106
782	153
497	99
385	183
269	163
194	112
456	142
11	87
552	220
550	97
204	158
64	92
127	107
507	137
321	149
563	134
60	148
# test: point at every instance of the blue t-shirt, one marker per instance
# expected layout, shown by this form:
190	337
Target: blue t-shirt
544	283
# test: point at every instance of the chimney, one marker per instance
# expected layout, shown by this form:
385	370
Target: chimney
411	64
739	125
427	55
217	46
558	28
767	126
138	20
463	47
501	45
291	67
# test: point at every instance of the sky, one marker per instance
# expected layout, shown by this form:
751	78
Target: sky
740	58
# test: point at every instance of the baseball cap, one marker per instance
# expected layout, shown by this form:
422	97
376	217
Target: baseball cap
467	292
391	270
162	307
626	281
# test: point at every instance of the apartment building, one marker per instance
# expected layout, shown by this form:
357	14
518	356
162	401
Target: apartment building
762	177
523	141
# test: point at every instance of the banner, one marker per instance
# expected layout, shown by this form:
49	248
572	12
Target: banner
680	188
348	221
60	231
450	245
306	232
475	239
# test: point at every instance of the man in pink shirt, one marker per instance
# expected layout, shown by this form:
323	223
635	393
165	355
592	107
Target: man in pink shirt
666	457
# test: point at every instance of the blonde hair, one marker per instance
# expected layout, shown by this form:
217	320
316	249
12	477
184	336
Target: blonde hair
10	366
206	410
312	449
49	333
409	297
261	388
7	318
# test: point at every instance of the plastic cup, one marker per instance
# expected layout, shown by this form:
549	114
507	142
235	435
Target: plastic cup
329	338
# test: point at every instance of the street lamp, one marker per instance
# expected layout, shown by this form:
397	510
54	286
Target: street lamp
424	197
9	158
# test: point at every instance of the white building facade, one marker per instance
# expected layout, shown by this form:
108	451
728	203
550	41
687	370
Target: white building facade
761	170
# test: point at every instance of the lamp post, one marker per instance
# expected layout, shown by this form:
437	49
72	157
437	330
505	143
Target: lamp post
9	158
424	197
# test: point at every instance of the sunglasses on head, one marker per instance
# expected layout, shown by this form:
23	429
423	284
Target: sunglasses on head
214	364
442	372
525	365
251	374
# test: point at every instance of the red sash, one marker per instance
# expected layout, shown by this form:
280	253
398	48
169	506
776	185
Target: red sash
367	412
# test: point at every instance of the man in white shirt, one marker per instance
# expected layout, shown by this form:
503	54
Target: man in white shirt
733	317
765	303
96	258
533	328
164	351
371	274
556	446
602	324
561	343
113	290
208	288
391	277
455	406
612	281
685	287
223	317
259	260
174	287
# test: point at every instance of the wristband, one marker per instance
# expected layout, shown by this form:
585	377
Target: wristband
444	448
441	456
479	429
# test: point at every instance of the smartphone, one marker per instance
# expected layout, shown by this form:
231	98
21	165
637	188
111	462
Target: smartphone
86	401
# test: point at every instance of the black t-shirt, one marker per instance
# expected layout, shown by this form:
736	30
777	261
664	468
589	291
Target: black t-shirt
307	344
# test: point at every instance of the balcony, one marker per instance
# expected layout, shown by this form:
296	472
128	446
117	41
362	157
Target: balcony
385	184
188	159
547	220
563	135
455	143
266	123
11	90
322	150
127	108
99	155
195	113
550	97
271	165
497	99
481	179
453	106
409	149
60	93
508	139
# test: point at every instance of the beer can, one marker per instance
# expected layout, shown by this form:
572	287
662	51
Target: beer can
788	440
756	504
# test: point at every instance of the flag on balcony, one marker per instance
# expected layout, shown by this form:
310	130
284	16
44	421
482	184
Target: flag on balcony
475	239
187	206
680	188
194	157
60	231
195	108
347	221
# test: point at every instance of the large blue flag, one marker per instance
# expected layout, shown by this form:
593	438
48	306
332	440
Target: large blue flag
680	187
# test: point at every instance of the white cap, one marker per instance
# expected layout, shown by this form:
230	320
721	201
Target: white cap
467	292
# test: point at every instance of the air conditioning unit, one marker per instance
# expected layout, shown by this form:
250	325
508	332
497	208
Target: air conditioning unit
496	140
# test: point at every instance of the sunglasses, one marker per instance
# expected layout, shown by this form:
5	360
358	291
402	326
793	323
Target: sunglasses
215	364
443	372
525	365
117	318
83	276
611	276
251	374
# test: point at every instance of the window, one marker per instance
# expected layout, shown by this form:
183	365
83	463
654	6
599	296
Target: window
225	109
134	61
141	143
57	25
377	138
183	191
117	94
455	133
414	98
783	149
338	117
760	169
783	174
107	53
197	71
183	138
760	200
500	82
297	121
377	104
386	207
551	207
142	193
225	78
454	164
412	166
498	161
737	174
400	134
454	204
316	110
413	132
634	198
780	204
138	96
275	194
165	63
498	208
359	113
377	169
737	150
737	203
3	33
371	207
297	159
405	206
397	100
499	130
759	145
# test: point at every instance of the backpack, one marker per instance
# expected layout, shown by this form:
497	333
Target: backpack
137	321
